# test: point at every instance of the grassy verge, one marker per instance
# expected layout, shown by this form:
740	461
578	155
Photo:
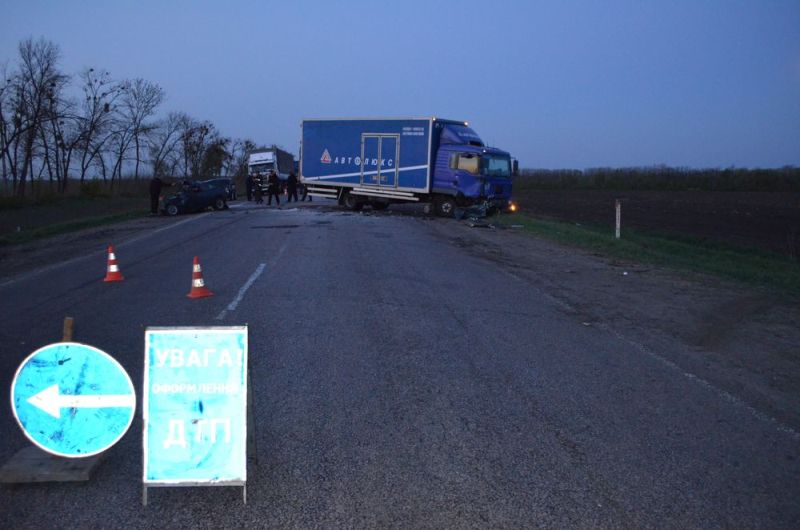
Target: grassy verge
677	252
24	220
63	228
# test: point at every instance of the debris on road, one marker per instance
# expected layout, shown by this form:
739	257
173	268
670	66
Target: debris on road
477	211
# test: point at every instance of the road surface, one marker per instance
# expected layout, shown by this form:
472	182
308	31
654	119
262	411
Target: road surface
403	375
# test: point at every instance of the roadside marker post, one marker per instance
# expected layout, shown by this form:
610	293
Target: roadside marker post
67	332
618	208
195	401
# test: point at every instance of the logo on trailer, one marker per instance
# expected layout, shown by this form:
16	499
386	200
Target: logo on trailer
326	157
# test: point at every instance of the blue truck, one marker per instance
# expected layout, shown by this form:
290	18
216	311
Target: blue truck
376	162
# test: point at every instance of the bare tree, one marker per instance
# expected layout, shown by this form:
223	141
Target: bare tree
43	133
12	125
139	103
8	131
236	163
100	92
164	142
196	138
38	77
120	138
215	155
26	97
237	149
59	136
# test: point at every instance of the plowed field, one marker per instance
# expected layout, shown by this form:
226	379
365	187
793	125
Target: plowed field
769	221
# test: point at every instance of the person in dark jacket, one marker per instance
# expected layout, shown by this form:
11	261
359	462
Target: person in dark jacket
273	188
258	191
155	193
249	184
291	187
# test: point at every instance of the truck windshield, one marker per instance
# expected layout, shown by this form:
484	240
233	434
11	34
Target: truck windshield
260	168
496	166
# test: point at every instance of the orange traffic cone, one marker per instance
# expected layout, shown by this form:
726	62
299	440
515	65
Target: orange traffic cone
112	273
199	289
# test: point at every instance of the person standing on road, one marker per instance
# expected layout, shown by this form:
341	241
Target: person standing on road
155	193
249	183
273	188
305	193
291	187
258	192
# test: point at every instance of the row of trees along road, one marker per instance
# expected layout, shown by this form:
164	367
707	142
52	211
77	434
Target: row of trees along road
59	127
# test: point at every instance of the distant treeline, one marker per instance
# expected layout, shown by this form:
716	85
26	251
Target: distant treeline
662	178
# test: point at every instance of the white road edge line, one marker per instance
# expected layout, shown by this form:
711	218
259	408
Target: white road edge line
240	295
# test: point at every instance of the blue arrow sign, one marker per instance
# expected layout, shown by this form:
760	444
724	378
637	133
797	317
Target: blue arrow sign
72	400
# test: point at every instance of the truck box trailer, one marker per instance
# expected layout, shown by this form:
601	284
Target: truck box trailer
381	161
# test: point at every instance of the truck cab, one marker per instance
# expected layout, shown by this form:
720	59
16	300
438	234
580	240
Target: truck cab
262	161
467	172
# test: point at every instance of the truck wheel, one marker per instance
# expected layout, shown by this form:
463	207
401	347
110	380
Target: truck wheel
352	203
172	209
219	203
446	206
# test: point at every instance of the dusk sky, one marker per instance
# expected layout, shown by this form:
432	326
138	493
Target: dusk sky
559	84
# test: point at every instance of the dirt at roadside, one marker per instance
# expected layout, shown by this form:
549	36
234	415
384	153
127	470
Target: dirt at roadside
742	340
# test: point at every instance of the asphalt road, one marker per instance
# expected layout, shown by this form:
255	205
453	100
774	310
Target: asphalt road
398	380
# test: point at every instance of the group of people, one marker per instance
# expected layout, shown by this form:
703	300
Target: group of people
256	188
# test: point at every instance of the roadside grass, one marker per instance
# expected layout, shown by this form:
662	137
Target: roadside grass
684	253
32	220
63	228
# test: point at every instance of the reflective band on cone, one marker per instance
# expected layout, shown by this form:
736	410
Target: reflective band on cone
112	271
199	289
